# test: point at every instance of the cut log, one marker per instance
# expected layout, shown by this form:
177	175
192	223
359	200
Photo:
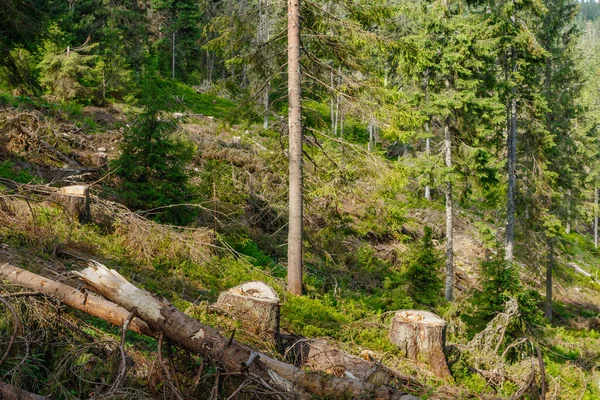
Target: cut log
255	305
319	355
204	340
76	202
86	302
8	392
421	336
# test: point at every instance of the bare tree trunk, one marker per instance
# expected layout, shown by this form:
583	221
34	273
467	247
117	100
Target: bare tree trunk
427	132
596	217
332	103
341	119
449	213
266	105
370	144
568	222
202	339
428	153
512	162
83	301
549	267
294	284
263	38
173	61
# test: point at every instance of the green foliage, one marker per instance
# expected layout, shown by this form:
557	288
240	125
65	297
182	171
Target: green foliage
500	282
9	170
69	73
152	165
423	272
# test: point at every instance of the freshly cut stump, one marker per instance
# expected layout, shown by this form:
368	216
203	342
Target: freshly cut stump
421	336
76	201
255	305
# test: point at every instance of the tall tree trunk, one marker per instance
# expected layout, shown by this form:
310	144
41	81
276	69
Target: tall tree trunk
294	284
549	267
173	60
370	144
263	38
511	141
266	105
427	138
596	217
449	214
332	103
428	153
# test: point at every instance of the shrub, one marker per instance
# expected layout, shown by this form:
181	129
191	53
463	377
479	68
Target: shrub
423	272
152	162
500	282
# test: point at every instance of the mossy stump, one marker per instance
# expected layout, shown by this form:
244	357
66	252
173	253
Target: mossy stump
421	336
255	305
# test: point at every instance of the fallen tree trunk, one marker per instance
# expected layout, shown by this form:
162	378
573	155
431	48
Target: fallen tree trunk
8	392
319	355
204	340
86	302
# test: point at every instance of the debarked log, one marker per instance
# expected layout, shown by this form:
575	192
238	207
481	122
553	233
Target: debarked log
89	303
201	339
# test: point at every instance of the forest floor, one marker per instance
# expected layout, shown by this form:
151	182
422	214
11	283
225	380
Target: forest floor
362	220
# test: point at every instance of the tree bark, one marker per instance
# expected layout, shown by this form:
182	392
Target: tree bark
421	336
86	302
428	153
449	213
319	355
511	165
596	217
295	227
549	267
76	201
255	305
427	138
202	339
8	392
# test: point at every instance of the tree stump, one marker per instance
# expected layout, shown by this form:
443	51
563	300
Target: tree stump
421	336
255	305
76	202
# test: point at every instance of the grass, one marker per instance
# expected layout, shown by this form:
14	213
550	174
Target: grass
357	207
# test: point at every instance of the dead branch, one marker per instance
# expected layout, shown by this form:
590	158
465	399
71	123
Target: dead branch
165	369
123	367
16	326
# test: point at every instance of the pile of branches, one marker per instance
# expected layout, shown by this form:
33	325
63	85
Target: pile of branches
500	360
22	207
39	140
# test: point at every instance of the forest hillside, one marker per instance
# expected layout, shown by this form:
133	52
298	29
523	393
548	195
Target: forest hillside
356	158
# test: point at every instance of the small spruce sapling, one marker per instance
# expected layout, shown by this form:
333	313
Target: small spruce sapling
152	161
423	272
499	283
